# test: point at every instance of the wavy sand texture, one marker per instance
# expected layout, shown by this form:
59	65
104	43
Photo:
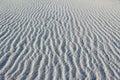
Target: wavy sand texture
59	39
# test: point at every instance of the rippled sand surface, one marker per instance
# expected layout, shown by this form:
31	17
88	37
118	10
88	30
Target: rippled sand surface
59	40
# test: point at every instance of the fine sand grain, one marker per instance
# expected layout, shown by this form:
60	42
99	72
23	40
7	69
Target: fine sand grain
59	39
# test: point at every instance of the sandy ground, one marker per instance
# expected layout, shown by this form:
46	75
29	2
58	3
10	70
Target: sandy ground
59	39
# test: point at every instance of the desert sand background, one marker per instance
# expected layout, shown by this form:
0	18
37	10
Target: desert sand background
59	39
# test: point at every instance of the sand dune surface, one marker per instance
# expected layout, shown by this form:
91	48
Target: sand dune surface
59	39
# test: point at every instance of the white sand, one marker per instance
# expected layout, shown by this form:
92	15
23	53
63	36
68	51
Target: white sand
59	39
